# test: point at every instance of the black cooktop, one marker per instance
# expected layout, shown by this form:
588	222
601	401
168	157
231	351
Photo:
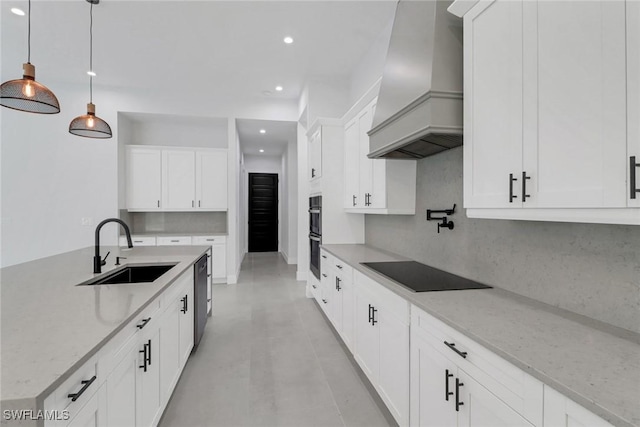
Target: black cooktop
422	278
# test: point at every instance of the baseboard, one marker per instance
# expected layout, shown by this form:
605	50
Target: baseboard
232	279
287	259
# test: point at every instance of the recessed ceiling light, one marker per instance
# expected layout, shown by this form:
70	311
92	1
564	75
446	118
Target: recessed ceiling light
91	73
17	11
279	88
288	40
261	150
263	131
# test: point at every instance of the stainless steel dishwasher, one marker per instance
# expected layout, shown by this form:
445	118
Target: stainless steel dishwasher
200	300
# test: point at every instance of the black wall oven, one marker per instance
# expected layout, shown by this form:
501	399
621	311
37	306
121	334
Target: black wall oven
315	234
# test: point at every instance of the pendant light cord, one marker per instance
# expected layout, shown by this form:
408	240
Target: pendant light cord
90	53
29	36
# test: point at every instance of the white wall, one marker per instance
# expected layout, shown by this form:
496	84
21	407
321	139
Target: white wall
284	203
234	246
292	183
303	207
263	164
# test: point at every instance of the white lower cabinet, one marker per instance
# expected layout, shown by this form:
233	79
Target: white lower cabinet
560	411
382	343
455	382
130	380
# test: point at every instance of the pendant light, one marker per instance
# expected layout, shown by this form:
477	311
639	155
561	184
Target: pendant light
89	125
26	94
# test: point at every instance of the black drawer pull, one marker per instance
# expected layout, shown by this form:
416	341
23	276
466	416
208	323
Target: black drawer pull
314	286
85	386
524	187
511	181
144	323
324	300
324	256
632	176
324	275
452	346
447	393
339	266
458	403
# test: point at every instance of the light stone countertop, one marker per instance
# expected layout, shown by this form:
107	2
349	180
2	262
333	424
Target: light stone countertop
50	326
595	364
163	234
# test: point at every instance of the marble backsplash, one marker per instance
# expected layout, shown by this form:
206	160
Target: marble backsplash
589	269
175	222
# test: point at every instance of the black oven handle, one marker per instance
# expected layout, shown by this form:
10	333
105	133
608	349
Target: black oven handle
314	238
314	211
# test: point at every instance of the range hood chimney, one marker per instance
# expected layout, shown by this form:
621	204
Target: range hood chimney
419	110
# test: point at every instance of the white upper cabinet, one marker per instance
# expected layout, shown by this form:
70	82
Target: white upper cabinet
211	179
376	186
633	101
144	178
176	179
551	110
315	155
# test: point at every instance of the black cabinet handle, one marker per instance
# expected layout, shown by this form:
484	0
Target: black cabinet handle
511	181
338	280
632	176
314	286
199	203
184	304
144	357
149	352
447	393
458	403
452	346
313	173
354	200
367	199
324	300
324	256
373	315
144	323
324	275
85	386
339	266
524	187
370	313
158	203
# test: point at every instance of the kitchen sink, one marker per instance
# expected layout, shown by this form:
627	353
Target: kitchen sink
132	274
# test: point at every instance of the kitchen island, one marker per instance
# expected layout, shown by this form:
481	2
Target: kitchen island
592	363
51	327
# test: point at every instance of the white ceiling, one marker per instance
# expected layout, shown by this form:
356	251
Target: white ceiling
218	49
273	142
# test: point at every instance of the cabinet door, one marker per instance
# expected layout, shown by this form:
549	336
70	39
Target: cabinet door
559	411
575	104
336	303
480	407
367	336
186	324
211	180
493	122
365	119
178	179
144	178
93	413
633	97
315	155
393	380
121	389
219	262
348	314
432	376
352	197
378	189
148	391
169	350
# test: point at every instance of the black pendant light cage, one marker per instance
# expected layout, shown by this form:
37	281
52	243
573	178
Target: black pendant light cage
26	94
89	125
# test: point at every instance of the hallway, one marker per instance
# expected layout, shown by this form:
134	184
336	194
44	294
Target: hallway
269	358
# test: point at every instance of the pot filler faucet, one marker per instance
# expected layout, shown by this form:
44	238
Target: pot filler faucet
99	262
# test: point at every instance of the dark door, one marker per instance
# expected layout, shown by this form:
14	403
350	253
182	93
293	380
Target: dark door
263	212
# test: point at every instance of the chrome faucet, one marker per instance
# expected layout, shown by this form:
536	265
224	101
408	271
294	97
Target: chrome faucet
99	262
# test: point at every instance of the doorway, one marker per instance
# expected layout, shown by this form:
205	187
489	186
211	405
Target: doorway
263	212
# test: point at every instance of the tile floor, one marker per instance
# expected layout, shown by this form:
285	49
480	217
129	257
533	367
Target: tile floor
269	358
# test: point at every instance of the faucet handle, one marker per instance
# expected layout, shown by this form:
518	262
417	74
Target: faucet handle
104	260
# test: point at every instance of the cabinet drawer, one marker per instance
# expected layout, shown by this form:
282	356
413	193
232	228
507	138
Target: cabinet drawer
139	241
394	304
174	240
180	286
208	240
83	383
342	269
517	389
